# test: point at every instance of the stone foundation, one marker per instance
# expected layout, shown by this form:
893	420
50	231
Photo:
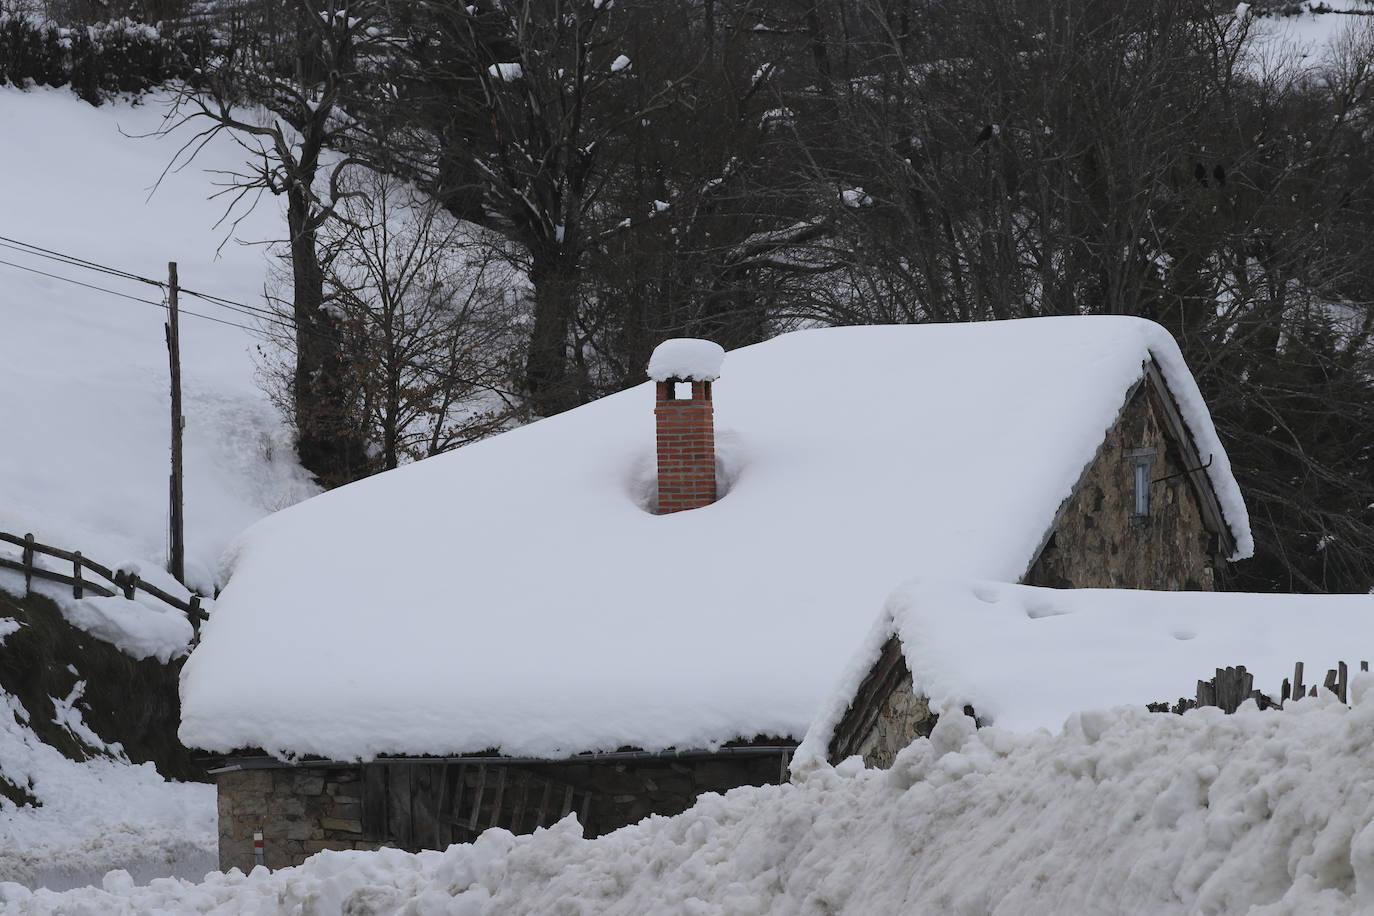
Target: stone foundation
300	812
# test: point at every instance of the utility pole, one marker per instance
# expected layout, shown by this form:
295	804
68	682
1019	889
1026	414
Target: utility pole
177	562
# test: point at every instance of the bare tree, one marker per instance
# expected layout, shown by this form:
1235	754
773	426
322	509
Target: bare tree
280	88
428	307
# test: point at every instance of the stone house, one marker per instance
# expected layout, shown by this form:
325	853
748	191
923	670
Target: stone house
606	616
1144	515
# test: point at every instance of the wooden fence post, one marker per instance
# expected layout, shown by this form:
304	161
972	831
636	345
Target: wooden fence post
76	574
28	564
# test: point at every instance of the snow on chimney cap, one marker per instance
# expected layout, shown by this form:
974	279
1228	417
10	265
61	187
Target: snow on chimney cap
686	359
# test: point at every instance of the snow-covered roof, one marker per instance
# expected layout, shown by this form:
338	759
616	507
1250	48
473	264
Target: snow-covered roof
1028	658
516	594
686	358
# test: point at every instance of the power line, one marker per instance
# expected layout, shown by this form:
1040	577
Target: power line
261	314
113	292
102	289
73	260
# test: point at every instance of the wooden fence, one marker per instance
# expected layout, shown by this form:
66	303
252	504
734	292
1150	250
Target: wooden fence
1230	687
119	582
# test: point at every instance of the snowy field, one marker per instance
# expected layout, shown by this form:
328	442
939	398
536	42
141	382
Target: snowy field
85	424
1122	812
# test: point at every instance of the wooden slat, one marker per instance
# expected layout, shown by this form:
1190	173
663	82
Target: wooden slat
477	796
49	575
374	801
443	833
544	804
496	799
867	703
423	822
399	805
584	816
518	816
455	814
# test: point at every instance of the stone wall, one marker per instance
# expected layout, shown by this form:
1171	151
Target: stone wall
902	719
300	812
1099	542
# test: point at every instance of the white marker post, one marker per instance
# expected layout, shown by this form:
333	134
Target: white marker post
257	847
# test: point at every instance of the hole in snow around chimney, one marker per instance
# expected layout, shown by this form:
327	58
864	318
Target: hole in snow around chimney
642	479
682	391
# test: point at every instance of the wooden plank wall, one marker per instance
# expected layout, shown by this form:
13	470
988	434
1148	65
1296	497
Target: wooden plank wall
431	805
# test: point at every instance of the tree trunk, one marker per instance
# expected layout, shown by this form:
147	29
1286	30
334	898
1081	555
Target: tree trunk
328	444
551	389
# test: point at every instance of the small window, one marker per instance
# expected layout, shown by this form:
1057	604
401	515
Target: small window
1142	463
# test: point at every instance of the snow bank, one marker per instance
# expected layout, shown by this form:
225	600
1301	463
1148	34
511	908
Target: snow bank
514	594
1123	812
137	629
95	815
1027	658
686	358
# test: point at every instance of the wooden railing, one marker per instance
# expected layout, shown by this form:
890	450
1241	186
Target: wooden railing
120	582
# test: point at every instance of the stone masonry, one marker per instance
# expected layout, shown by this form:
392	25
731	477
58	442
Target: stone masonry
300	812
1100	543
903	718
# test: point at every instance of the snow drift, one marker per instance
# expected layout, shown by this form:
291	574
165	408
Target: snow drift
1124	812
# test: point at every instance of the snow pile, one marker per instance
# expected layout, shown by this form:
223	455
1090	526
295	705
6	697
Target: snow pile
1025	657
96	815
137	628
686	358
857	458
1123	812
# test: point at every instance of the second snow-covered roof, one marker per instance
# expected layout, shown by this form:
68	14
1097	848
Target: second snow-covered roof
1028	658
516	594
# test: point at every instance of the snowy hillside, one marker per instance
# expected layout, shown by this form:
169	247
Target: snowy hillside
84	421
87	414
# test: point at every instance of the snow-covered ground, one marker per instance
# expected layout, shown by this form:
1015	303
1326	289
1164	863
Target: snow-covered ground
1121	812
84	424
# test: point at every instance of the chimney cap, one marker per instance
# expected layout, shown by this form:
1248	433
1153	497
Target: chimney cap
686	359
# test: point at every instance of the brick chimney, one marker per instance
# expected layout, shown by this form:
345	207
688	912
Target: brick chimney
683	370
